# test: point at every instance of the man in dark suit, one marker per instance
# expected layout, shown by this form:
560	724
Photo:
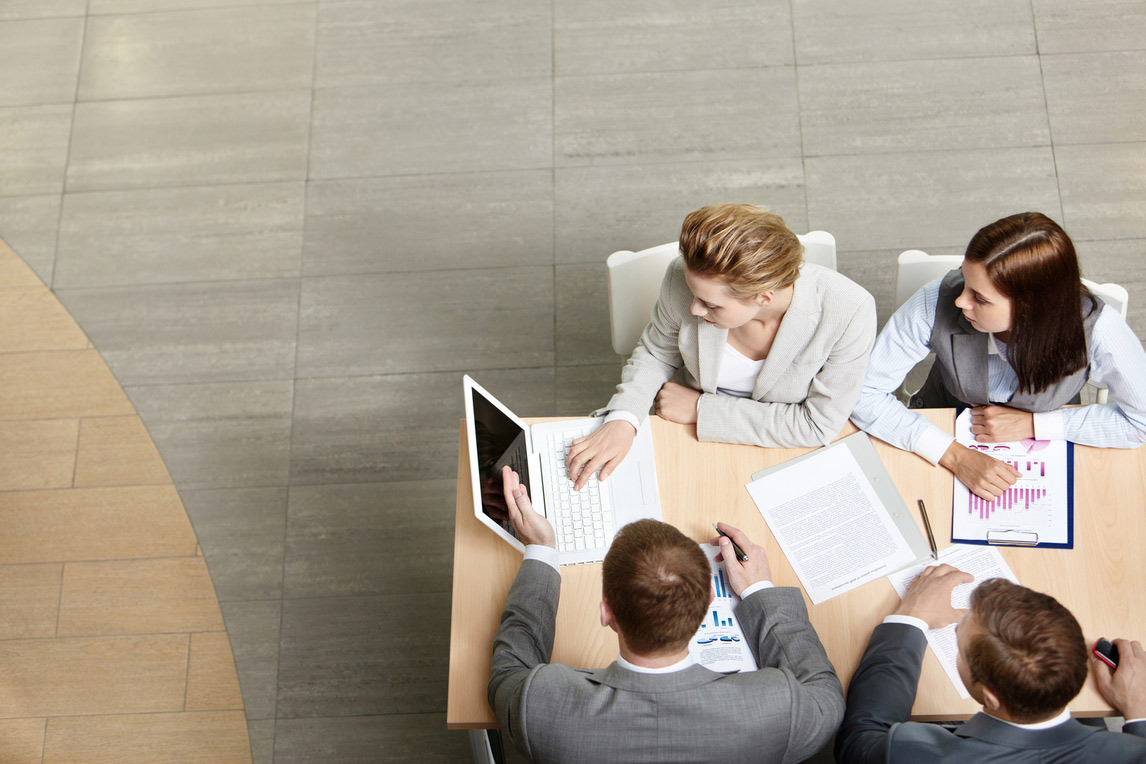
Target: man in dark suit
1022	656
653	704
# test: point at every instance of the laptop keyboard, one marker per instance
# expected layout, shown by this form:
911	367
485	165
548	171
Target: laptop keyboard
581	522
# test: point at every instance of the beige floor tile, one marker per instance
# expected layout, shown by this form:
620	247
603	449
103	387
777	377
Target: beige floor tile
29	602
94	524
37	453
138	597
93	675
212	683
218	737
23	740
117	451
13	271
53	385
35	320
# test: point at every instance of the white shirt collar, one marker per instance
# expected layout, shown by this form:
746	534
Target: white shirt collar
680	665
1043	725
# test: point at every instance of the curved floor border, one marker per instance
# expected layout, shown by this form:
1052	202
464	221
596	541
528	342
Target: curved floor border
112	644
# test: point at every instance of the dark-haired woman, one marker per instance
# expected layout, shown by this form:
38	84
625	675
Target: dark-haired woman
1016	335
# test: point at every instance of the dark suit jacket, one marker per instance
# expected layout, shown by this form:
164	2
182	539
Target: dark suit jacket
784	712
882	692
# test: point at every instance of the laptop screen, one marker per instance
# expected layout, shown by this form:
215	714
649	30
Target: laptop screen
500	441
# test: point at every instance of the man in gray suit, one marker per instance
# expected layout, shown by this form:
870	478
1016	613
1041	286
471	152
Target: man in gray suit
1021	655
653	704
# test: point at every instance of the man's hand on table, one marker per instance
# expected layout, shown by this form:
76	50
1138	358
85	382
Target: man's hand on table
1124	687
929	596
531	527
741	575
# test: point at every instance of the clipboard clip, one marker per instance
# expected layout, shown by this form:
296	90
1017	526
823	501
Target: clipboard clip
1012	537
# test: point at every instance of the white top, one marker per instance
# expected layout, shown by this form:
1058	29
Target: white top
1117	360
737	379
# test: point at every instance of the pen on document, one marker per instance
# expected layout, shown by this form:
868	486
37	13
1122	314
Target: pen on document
930	535
739	552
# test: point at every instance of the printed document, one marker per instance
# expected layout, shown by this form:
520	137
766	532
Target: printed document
1035	510
982	562
834	529
719	643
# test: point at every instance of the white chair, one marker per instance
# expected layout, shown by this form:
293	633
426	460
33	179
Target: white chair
634	281
916	268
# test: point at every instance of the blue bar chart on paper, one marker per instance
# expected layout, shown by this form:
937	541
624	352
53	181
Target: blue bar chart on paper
719	643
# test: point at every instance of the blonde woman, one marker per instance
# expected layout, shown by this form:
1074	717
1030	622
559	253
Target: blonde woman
771	350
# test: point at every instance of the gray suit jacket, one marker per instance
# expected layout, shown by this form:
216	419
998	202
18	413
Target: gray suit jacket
881	695
811	379
784	712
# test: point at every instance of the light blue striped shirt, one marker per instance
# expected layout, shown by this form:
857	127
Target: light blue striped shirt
1117	360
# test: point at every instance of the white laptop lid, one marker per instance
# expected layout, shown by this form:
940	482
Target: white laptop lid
496	436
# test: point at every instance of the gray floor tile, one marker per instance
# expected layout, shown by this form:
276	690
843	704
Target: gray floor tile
40	59
365	42
219	50
429	222
225	435
923	200
1120	262
1102	190
34	153
600	210
582	313
368	739
262	734
582	390
103	7
966	103
190	140
403	129
672	116
202	332
29	224
166	235
434	321
1075	26
891	30
396	427
1095	97
241	532
356	656
602	37
254	631
41	9
359	538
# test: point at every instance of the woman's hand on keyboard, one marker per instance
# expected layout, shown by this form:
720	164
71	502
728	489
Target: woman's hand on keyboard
531	527
603	449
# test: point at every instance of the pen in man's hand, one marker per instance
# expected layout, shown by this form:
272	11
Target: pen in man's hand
740	555
930	535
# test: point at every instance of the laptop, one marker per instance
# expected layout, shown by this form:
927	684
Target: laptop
585	521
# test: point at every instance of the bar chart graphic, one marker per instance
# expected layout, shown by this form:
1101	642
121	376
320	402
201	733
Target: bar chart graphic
1028	496
719	642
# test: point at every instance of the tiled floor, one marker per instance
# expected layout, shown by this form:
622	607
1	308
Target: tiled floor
289	227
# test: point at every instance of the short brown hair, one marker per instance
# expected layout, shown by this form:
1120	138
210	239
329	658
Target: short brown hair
1030	651
656	580
747	247
1032	261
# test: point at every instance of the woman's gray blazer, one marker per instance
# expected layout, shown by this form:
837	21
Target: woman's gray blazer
810	380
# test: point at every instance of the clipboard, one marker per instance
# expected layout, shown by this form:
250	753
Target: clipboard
1012	531
885	489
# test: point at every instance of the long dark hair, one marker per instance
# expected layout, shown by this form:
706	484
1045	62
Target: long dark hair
1031	260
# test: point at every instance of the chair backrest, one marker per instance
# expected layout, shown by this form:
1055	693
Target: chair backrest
1114	295
916	268
634	283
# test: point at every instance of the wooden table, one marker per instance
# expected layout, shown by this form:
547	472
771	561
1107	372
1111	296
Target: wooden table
1100	580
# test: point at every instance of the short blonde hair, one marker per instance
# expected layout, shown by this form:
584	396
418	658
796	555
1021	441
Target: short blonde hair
745	246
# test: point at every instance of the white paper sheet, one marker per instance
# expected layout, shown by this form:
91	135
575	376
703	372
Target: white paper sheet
1036	508
833	528
982	562
719	643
